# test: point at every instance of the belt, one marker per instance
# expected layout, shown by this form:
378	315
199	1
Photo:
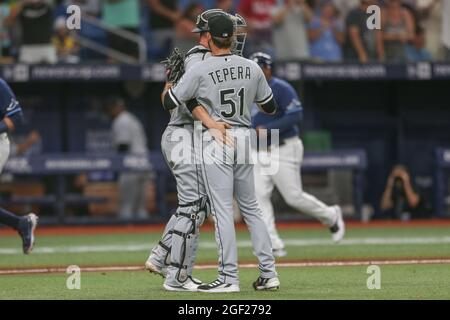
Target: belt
180	125
282	143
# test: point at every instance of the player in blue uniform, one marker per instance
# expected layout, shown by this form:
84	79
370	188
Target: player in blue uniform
289	158
11	116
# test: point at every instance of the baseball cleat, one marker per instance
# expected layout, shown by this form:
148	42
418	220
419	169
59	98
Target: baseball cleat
218	286
266	284
196	281
26	231
187	286
152	268
279	253
338	229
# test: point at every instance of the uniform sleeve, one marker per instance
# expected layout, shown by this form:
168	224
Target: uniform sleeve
185	90
9	107
264	96
290	108
8	101
121	133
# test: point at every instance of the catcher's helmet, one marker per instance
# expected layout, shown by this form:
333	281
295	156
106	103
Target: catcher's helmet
240	33
263	59
202	19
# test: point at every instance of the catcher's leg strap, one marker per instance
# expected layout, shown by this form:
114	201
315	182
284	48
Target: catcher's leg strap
184	235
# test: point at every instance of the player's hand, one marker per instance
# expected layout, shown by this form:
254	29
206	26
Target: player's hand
221	134
168	86
261	132
34	137
9	123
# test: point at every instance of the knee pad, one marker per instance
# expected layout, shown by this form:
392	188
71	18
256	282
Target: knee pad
185	236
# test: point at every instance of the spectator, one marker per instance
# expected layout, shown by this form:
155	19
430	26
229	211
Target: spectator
397	29
258	14
36	20
290	30
123	14
345	6
185	39
225	5
163	16
446	29
361	44
65	44
326	34
5	41
416	51
399	198
431	20
129	139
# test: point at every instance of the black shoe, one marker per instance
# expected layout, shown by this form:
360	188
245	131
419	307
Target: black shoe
26	231
266	284
218	286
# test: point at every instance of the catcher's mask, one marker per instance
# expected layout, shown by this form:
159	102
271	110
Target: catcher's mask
240	25
240	34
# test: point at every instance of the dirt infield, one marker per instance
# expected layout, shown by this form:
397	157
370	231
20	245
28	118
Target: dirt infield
291	264
89	230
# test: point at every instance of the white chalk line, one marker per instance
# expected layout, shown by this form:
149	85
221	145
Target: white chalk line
136	247
243	266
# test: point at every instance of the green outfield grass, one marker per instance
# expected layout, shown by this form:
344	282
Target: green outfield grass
342	282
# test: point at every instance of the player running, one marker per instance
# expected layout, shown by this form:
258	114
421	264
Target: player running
179	243
289	158
227	85
10	117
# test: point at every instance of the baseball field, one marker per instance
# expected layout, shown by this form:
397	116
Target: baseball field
413	261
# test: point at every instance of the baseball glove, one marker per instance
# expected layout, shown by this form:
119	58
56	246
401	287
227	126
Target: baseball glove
174	66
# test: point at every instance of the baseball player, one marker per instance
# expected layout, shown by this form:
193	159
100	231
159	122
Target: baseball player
10	117
289	157
227	85
179	243
129	138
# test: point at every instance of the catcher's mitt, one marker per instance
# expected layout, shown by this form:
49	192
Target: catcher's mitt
174	66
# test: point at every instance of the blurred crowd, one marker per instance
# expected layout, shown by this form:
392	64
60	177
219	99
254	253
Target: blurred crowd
34	31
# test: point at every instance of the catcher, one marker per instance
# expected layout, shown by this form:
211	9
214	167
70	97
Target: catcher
179	243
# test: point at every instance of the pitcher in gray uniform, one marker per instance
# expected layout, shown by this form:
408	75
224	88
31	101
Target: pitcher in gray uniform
179	243
227	85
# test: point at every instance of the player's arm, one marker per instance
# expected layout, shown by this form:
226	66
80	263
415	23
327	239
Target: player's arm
289	104
13	112
184	91
264	95
217	129
9	124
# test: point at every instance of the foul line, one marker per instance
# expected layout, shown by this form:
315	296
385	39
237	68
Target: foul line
136	247
244	266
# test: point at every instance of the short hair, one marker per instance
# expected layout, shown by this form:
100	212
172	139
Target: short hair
223	43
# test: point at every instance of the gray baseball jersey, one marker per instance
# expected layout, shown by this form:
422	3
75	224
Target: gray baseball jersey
127	129
190	186
227	86
182	116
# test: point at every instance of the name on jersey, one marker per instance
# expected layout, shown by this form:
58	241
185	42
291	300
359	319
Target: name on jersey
230	73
